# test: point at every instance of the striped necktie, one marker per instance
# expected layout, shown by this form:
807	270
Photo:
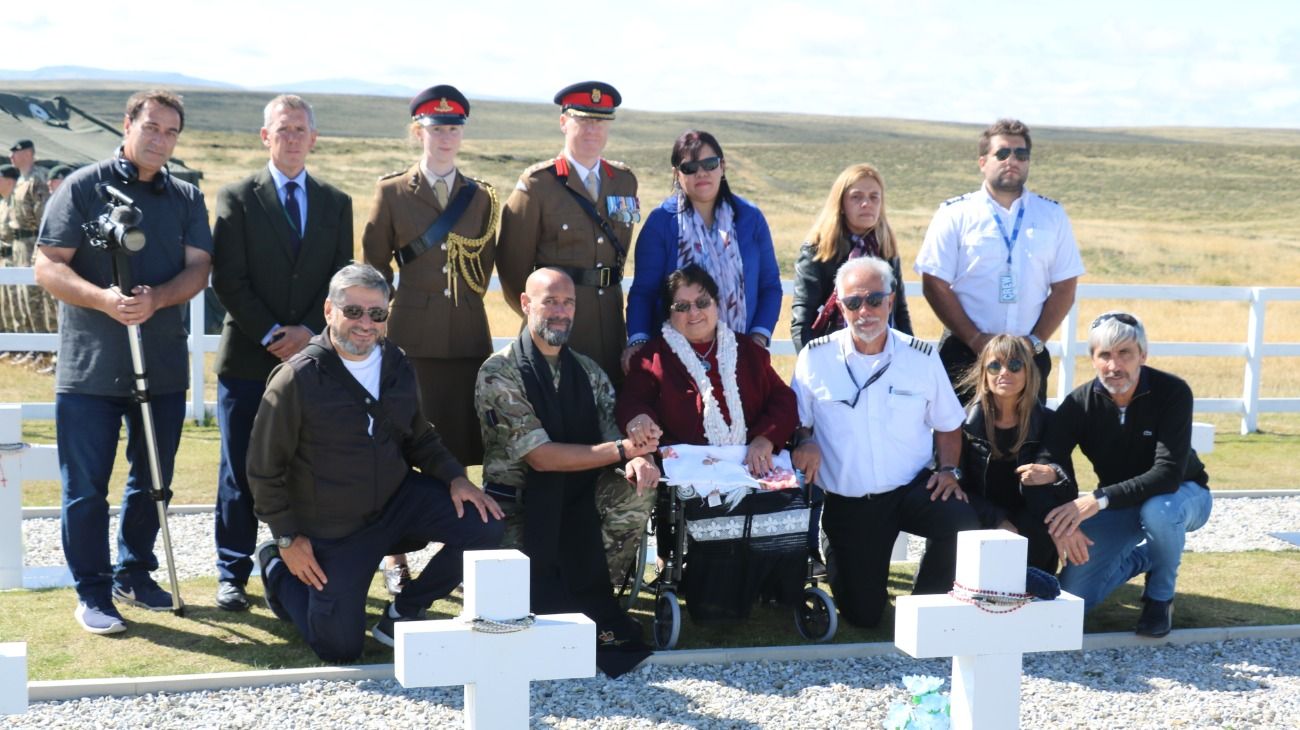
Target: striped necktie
294	213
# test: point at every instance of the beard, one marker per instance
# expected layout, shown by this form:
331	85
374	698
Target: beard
1008	183
341	341
554	331
867	332
1117	387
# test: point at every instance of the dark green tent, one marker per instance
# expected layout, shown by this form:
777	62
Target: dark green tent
65	134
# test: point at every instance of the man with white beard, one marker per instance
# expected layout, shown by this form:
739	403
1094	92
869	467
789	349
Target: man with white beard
875	405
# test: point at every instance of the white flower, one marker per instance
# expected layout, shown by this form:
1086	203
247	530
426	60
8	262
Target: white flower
921	685
899	716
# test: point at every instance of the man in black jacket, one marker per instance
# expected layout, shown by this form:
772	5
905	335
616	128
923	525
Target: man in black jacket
331	463
1134	423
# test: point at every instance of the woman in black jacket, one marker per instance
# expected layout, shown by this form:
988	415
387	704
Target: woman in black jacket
1001	439
852	224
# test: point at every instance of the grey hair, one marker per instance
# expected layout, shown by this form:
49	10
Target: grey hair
362	275
1109	330
864	264
288	101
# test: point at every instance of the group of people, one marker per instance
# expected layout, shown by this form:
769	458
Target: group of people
24	188
349	410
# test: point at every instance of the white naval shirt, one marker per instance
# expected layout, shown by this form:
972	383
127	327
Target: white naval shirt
881	443
965	248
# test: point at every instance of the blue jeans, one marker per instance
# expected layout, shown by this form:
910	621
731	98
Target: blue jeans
236	525
86	430
333	619
1116	557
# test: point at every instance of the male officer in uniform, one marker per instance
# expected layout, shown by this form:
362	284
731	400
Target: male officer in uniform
1000	260
8	294
24	220
57	176
516	442
869	399
280	234
575	213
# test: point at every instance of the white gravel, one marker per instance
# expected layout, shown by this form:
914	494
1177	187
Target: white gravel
1235	525
1234	684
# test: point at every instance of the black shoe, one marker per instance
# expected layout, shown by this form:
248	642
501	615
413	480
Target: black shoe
1157	618
268	553
384	632
231	596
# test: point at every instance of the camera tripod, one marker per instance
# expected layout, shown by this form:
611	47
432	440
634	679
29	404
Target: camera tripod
140	393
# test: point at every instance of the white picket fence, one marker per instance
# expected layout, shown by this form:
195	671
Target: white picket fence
1252	349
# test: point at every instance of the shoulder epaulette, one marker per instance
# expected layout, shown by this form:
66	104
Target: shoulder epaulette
819	341
950	201
544	164
480	181
1044	197
391	175
619	165
919	345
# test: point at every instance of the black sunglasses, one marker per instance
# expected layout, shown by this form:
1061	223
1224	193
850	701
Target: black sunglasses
354	311
708	164
1127	319
872	299
1014	365
703	303
1021	153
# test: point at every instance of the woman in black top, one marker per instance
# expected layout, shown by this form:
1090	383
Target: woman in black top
1001	438
852	224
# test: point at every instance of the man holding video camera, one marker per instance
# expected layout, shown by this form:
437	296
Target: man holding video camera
94	379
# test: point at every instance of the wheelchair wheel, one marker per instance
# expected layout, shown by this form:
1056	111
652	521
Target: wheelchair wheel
668	620
815	616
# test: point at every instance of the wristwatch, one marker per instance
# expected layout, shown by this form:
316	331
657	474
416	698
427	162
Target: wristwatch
284	541
955	470
1037	343
622	452
1102	500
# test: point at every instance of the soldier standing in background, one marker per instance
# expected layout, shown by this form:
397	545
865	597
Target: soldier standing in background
8	180
575	213
24	219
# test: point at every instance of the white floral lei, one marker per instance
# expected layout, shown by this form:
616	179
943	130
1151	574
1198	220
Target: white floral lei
716	430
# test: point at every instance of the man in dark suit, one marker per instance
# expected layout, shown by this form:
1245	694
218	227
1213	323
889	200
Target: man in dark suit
279	237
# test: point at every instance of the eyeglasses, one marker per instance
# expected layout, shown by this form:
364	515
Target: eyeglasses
1021	153
701	304
1123	317
708	164
871	299
354	311
1014	365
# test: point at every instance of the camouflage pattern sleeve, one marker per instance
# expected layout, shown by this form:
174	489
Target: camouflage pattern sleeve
602	391
29	203
510	426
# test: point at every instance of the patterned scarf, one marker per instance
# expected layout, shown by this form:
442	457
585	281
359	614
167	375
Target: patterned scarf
717	251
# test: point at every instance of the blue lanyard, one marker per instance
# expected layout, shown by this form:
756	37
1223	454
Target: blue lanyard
1015	231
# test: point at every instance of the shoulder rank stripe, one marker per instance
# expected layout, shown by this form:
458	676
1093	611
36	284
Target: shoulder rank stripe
1044	197
819	341
921	346
950	201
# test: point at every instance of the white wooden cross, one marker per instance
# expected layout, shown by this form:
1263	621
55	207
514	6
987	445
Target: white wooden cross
19	463
495	668
986	647
13	678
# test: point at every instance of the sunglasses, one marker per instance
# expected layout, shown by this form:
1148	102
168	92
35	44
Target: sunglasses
1021	153
1014	365
1127	319
872	299
708	164
701	304
354	311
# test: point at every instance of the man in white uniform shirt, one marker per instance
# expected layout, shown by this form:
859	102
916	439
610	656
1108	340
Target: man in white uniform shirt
875	407
1000	260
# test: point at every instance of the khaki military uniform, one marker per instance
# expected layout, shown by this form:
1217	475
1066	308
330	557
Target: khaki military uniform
437	314
511	430
542	225
8	294
36	307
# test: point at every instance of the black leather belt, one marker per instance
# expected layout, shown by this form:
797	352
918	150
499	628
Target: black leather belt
25	232
501	492
602	277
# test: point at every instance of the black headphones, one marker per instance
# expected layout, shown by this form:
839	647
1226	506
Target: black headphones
127	172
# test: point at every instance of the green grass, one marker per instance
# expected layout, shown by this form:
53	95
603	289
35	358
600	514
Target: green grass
1219	589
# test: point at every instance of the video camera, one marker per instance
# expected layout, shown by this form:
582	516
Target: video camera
118	227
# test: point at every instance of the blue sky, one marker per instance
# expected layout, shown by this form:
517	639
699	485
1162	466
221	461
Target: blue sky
1077	64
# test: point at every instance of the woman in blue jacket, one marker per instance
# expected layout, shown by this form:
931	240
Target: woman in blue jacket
703	222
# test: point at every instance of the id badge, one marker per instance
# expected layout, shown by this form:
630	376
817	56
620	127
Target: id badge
1007	289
